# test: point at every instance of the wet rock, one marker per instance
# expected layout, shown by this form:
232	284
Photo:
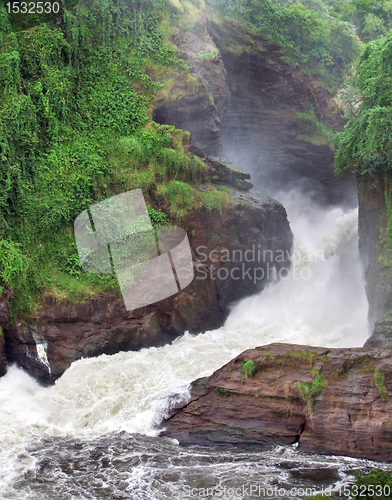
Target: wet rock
225	172
330	401
382	333
3	359
376	259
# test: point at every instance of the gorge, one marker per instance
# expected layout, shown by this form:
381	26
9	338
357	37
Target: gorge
116	380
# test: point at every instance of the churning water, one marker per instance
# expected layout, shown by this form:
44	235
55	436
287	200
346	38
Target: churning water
93	435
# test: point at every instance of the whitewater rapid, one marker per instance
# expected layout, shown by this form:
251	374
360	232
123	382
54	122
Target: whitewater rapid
131	391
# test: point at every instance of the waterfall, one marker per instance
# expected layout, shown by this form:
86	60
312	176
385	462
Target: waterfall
321	302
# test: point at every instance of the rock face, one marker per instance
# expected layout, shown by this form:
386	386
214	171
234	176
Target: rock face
199	105
270	125
4	319
223	171
250	106
3	358
376	260
61	333
330	401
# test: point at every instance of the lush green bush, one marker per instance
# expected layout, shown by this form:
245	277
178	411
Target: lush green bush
307	34
376	485
372	18
74	131
248	369
364	146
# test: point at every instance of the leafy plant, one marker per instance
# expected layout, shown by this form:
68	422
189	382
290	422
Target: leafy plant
379	381
364	145
248	369
308	35
157	217
75	130
376	484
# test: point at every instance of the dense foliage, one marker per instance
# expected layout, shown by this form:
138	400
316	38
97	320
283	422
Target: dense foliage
364	146
375	485
74	131
75	128
306	32
371	18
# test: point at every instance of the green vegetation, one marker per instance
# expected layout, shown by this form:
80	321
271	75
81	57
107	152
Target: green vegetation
157	217
209	56
310	390
248	369
75	128
303	354
317	133
282	414
348	364
376	485
364	145
222	392
372	18
379	382
315	388
75	120
268	357
308	33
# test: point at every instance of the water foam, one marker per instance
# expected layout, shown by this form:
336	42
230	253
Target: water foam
130	391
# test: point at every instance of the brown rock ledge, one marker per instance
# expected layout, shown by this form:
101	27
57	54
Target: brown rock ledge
330	401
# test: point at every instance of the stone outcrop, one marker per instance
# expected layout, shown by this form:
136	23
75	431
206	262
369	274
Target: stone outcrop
223	171
376	259
3	359
330	401
200	100
59	334
247	104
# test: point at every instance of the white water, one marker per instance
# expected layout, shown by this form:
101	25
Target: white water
130	391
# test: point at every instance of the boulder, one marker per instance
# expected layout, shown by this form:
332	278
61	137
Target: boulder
329	401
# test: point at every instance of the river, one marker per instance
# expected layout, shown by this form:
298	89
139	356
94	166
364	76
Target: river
94	434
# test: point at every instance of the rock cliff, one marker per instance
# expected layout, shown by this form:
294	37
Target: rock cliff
4	320
330	401
193	99
279	121
251	106
47	344
376	258
200	101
